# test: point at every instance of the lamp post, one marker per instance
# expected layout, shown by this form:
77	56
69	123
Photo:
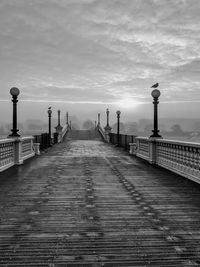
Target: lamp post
107	128
49	114
155	94
95	124
118	117
98	120
59	128
14	92
58	117
67	118
107	114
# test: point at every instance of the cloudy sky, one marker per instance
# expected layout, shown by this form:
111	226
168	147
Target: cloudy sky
86	55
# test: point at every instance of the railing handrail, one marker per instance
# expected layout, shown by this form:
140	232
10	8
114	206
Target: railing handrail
142	138
169	141
65	129
15	150
177	156
7	140
177	142
101	132
27	138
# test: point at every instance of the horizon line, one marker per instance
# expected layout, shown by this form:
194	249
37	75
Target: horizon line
97	102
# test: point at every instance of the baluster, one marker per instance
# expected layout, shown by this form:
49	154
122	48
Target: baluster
192	168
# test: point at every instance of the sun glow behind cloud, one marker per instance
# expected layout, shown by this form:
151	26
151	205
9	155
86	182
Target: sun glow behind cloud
128	103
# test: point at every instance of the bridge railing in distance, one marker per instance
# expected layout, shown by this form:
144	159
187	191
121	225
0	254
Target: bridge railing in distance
124	140
13	151
42	140
180	157
65	130
113	138
55	138
102	133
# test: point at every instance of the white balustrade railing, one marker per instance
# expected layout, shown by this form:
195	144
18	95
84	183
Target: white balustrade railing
180	157
6	153
142	146
27	148
13	151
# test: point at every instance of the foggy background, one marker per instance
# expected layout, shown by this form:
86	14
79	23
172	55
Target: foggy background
83	56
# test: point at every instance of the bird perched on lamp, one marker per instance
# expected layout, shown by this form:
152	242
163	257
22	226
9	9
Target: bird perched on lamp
155	85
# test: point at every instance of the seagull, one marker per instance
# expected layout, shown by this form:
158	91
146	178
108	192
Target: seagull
155	85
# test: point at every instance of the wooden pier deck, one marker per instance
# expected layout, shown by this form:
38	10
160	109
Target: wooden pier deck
86	203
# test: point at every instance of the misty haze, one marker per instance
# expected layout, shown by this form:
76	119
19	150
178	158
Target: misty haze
85	56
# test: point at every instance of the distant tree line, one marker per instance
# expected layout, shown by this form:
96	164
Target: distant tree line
141	128
133	128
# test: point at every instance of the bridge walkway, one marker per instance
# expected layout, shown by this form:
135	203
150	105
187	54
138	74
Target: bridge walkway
85	203
83	135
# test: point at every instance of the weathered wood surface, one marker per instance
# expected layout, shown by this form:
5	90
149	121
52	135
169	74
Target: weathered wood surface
85	203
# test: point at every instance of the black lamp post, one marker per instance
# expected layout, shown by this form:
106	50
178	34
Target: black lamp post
67	118
107	114
107	128
14	92
49	114
118	117
98	119
155	94
58	117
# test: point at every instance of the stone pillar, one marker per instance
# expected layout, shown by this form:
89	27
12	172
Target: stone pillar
37	148
18	151
107	133
133	148
152	150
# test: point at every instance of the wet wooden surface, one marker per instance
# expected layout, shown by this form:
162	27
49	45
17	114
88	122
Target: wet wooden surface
85	203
